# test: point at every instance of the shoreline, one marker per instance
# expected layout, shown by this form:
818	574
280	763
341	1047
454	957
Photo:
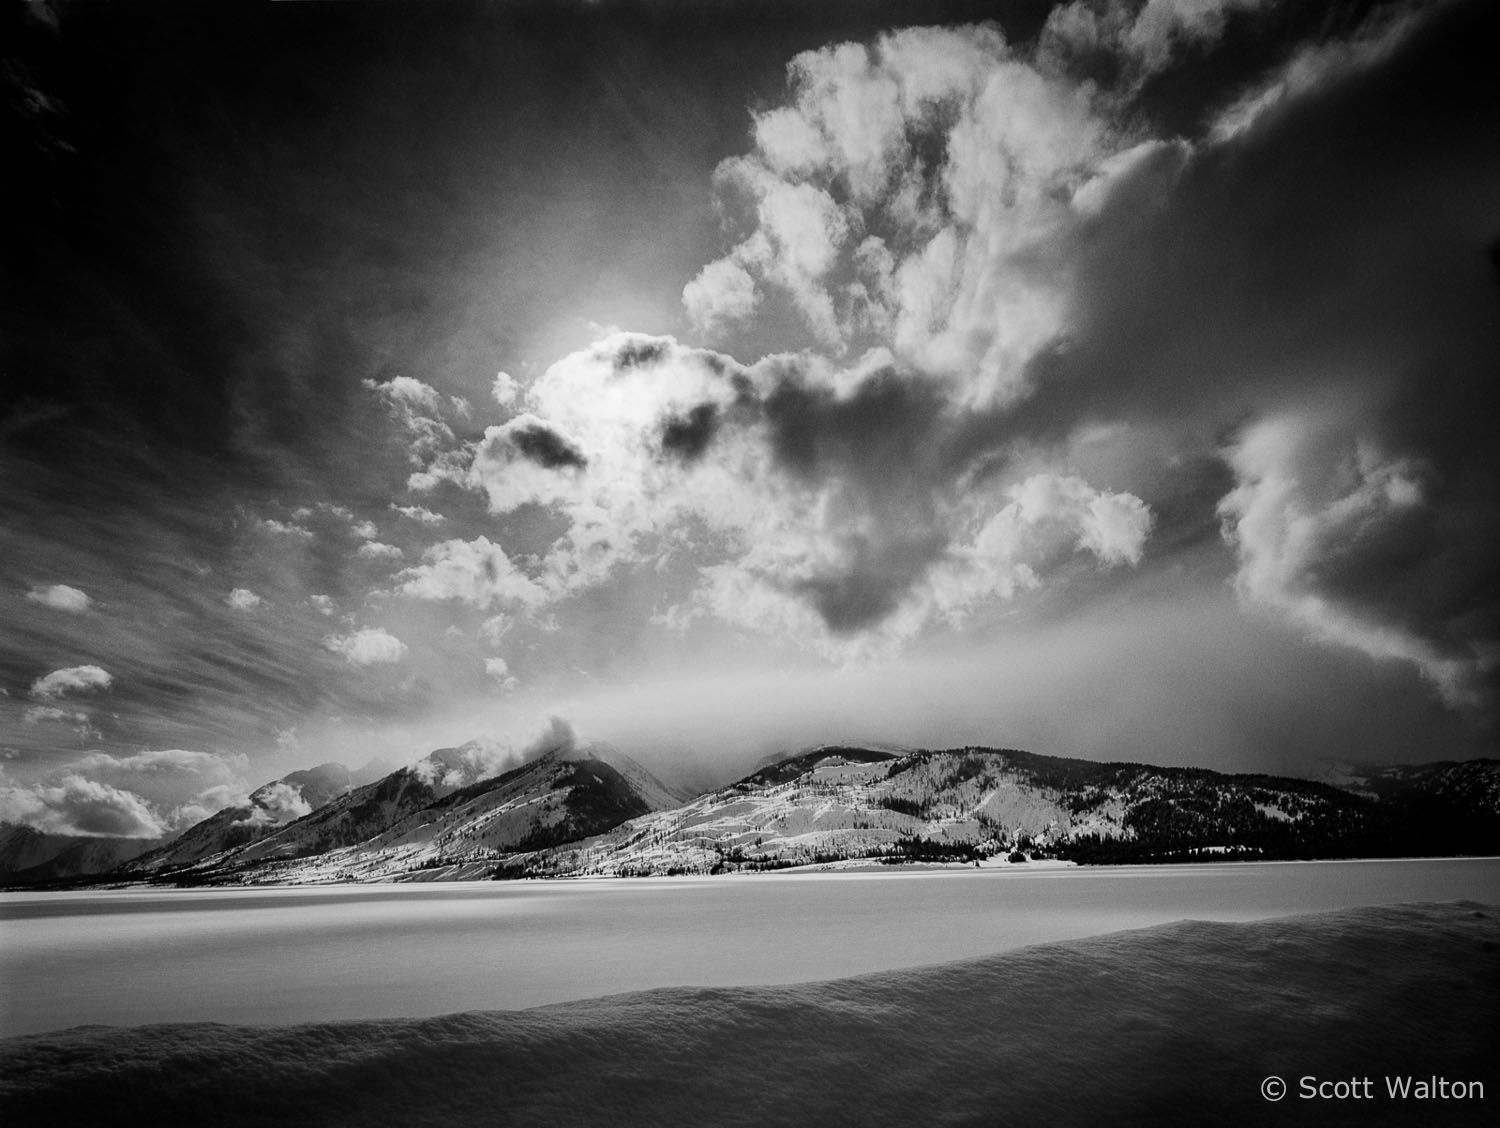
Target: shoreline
849	866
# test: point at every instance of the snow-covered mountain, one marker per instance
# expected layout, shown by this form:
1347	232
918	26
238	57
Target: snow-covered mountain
989	806
29	855
590	810
269	807
435	819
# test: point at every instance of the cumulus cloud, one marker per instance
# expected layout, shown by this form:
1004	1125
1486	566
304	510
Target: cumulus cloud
73	679
75	805
181	786
370	646
60	597
957	159
476	572
721	295
243	599
777	478
505	389
142	795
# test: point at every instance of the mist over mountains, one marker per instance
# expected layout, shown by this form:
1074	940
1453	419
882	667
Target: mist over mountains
586	809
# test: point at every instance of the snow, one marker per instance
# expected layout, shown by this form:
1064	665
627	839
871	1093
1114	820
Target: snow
1173	1025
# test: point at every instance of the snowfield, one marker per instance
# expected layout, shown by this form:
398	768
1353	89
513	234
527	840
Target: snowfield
1173	1025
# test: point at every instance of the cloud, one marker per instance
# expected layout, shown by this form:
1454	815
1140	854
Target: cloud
493	629
1316	65
498	671
278	803
477	572
505	389
1341	366
415	406
82	724
376	550
75	805
60	597
1142	38
407	392
180	786
142	795
777	479
419	514
557	734
1339	534
371	646
722	294
283	528
243	599
73	679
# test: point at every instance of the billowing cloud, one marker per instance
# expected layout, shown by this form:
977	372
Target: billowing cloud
60	597
73	679
75	805
476	572
182	786
141	795
277	803
777	479
370	646
1342	536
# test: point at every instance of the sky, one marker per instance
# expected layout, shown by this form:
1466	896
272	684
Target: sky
1106	379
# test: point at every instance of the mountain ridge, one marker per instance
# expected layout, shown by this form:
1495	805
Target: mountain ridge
590	810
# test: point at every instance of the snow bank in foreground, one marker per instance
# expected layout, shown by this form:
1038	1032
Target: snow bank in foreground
1170	1025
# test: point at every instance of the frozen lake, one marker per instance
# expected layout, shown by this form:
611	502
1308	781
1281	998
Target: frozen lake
309	954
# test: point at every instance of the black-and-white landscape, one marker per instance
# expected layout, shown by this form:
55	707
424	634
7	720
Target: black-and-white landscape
744	561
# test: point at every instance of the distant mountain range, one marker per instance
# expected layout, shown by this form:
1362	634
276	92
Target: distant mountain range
29	856
591	810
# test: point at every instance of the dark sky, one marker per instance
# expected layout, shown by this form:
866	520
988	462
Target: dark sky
1109	379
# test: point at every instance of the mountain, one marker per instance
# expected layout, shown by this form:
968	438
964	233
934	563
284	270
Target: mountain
273	805
29	855
991	806
434	820
590	810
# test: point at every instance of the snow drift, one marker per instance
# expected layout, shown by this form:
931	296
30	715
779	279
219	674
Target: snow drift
1171	1025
